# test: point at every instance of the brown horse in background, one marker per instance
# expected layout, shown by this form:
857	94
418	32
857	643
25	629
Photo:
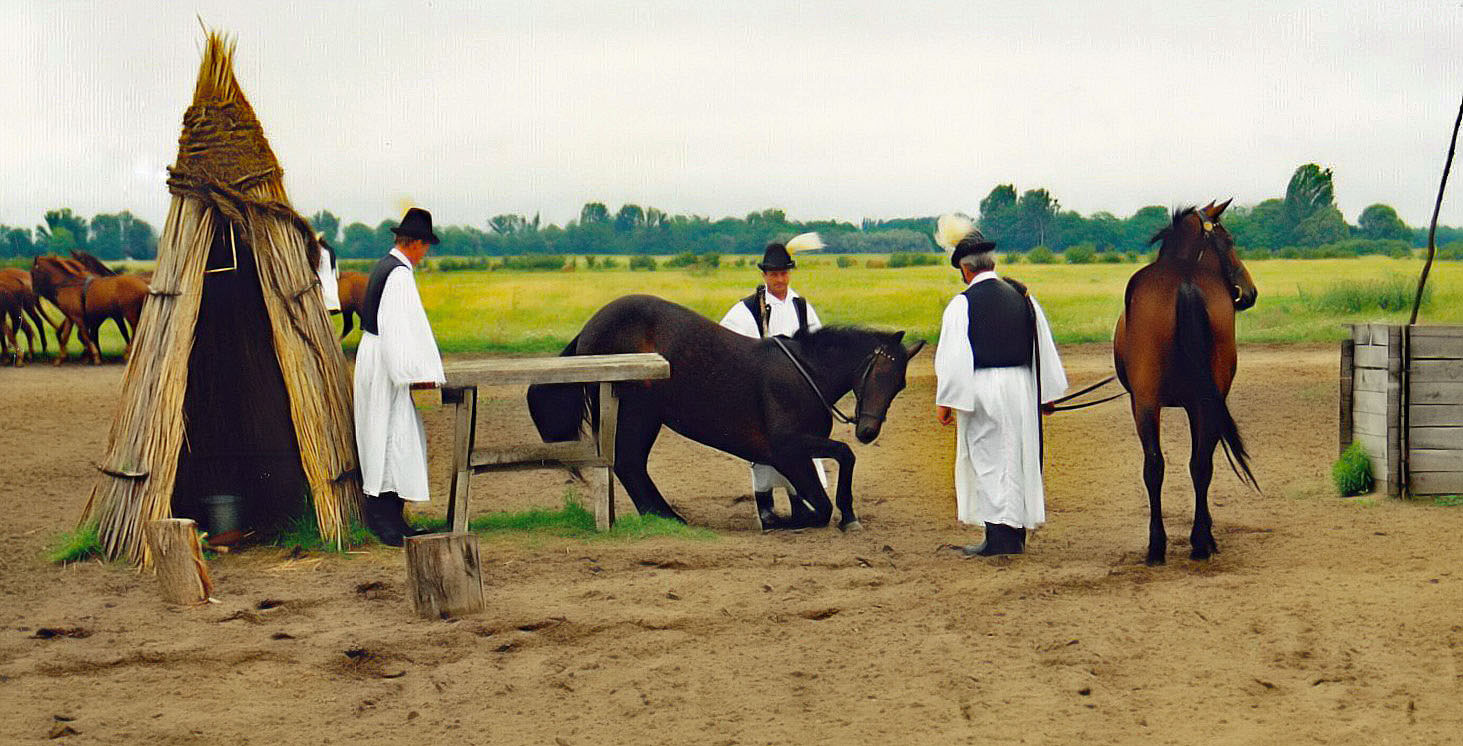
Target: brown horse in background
1174	347
87	300
20	298
352	287
10	320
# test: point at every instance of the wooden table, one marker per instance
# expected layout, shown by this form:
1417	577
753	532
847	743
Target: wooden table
597	451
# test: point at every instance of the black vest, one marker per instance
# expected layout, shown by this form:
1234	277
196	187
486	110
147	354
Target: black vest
1002	325
754	303
376	285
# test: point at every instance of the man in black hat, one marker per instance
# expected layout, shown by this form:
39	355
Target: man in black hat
775	309
397	354
995	367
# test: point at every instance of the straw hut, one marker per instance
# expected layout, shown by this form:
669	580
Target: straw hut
236	384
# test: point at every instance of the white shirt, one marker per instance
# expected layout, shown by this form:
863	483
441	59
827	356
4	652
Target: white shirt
782	318
329	281
391	441
959	384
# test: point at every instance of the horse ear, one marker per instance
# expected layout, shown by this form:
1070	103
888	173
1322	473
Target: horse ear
914	349
1220	209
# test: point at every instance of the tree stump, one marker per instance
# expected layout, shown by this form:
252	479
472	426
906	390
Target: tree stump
181	572
444	574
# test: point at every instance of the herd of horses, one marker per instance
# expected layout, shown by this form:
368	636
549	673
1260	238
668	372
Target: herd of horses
87	293
774	401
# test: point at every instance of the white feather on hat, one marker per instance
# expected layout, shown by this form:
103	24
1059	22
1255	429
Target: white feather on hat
803	242
950	230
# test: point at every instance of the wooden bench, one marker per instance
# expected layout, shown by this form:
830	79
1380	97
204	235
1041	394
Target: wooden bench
596	451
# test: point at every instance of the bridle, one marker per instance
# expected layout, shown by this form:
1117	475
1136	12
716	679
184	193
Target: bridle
1206	237
867	369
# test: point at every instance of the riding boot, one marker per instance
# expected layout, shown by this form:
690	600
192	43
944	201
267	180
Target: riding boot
378	515
398	516
999	539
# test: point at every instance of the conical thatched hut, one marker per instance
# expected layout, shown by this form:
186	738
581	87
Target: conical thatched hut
236	384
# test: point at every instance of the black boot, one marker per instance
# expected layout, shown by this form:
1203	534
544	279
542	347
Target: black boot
378	514
803	513
999	539
398	516
770	520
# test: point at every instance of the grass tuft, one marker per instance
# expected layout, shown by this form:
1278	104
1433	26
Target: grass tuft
303	532
75	546
573	521
1352	473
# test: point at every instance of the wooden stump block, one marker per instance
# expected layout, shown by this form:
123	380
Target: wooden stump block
444	574
178	559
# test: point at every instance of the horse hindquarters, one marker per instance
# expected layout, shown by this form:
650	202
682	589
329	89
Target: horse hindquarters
1197	355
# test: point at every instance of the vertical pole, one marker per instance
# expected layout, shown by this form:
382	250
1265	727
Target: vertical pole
609	417
463	438
1348	380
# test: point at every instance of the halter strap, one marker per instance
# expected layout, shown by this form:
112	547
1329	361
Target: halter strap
832	407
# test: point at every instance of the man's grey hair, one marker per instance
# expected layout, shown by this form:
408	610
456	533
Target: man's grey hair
981	262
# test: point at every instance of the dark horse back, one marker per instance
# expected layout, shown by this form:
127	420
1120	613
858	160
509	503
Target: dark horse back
559	409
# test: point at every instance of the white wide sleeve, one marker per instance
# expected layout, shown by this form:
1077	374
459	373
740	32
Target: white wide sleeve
329	287
408	347
740	320
1053	376
814	323
954	362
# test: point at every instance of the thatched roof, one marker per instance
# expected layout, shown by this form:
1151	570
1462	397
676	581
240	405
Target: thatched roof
226	178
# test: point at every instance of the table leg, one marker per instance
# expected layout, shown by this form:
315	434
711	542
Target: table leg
464	434
609	417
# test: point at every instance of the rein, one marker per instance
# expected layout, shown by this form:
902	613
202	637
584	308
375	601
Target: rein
1087	390
857	393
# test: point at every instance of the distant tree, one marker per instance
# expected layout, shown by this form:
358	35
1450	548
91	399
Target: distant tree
383	238
357	241
998	214
508	224
75	231
139	240
16	242
1309	193
1035	212
629	218
106	236
1380	221
327	223
1324	226
594	213
1138	230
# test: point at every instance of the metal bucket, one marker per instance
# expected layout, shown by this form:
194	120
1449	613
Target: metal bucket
223	512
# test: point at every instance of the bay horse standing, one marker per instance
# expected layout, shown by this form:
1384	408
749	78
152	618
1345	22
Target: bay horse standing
1174	347
17	297
86	300
736	394
352	288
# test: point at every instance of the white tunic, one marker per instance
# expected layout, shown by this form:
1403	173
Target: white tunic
329	281
391	441
782	320
997	446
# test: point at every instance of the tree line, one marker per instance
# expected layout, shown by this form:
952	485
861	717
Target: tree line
1306	217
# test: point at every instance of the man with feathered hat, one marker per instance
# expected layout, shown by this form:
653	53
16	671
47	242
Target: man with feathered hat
397	354
775	309
996	368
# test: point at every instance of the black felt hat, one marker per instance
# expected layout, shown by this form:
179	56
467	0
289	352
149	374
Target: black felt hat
417	224
776	258
973	243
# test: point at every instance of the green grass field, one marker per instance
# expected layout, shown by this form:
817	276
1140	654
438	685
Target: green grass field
513	312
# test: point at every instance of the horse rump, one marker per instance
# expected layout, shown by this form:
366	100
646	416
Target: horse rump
1195	342
560	410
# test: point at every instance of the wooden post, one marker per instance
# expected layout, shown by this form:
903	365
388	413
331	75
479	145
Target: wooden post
1348	377
609	418
466	399
444	574
178	559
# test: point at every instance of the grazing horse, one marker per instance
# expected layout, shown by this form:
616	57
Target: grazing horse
736	394
87	300
352	287
1174	347
22	299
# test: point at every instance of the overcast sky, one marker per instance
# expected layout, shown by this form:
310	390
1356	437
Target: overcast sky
844	110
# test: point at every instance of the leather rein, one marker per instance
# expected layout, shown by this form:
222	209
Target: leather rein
858	393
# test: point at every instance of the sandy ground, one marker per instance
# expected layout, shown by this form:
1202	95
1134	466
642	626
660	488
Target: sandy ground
1323	620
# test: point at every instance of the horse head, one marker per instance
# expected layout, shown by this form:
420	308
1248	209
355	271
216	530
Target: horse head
1196	235
881	380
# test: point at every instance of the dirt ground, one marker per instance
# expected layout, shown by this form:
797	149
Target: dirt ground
1323	620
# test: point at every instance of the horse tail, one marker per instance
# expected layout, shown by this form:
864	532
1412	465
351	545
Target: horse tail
559	410
1195	340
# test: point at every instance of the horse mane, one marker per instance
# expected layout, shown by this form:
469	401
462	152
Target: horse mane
92	263
839	337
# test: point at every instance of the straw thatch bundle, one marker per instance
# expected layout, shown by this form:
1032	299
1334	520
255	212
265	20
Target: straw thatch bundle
226	186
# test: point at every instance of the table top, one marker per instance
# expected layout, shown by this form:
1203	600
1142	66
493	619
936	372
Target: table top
640	366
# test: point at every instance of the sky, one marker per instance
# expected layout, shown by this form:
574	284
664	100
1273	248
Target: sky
837	110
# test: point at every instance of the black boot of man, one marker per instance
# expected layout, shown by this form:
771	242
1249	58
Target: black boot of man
770	520
397	516
999	539
378	513
803	514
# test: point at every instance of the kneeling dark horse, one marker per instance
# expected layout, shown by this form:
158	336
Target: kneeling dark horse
765	401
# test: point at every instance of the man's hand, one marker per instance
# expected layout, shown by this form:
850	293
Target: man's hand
944	415
1048	408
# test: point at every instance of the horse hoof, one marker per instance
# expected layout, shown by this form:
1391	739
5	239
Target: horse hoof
850	526
1153	561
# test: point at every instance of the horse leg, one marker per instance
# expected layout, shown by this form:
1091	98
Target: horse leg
1201	470
30	341
349	323
816	447
1147	419
35	316
63	336
89	334
8	342
634	436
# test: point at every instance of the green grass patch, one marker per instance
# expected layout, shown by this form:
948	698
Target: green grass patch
1448	501
1352	473
75	546
1389	294
303	532
573	521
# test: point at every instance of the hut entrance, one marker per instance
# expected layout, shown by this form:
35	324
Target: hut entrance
239	465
